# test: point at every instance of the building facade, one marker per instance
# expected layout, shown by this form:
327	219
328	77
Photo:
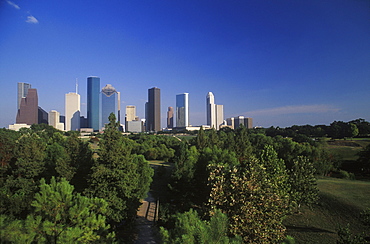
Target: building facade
28	110
182	110
210	107
153	110
22	92
130	116
54	121
72	112
170	118
236	122
215	113
109	103
93	102
219	115
43	116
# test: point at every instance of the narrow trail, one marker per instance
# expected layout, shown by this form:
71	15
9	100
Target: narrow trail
145	220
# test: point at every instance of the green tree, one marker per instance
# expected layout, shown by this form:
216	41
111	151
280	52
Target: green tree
303	182
18	185
250	200
60	216
353	130
189	228
201	140
243	148
276	171
119	177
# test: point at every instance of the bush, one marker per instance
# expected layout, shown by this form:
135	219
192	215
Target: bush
345	175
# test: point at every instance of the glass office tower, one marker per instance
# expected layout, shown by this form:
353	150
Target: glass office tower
93	102
109	103
182	110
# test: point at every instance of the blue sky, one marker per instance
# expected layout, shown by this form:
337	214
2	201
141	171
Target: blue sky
279	62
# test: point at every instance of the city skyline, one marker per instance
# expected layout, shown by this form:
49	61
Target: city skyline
286	63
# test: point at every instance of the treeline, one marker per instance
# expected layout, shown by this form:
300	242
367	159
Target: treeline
241	182
336	130
227	186
54	189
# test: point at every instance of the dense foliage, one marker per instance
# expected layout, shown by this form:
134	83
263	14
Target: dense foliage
86	191
226	186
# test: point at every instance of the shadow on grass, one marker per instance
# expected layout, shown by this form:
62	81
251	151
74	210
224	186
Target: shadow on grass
307	229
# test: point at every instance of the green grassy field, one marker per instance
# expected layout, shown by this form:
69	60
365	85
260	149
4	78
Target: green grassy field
341	202
347	149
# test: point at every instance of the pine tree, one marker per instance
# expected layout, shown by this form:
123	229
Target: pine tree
119	177
60	216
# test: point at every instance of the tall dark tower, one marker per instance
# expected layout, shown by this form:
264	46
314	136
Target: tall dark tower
170	117
28	110
153	107
93	103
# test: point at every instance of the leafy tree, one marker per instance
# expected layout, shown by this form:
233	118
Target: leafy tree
60	216
57	162
276	171
303	182
119	177
201	140
189	228
18	185
362	125
80	160
243	148
250	200
182	179
7	144
346	237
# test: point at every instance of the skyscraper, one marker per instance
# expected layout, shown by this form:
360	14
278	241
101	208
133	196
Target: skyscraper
54	120
109	103
211	113
153	110
170	117
119	107
93	102
72	111
182	110
42	116
28	109
219	115
22	92
130	113
130	116
215	113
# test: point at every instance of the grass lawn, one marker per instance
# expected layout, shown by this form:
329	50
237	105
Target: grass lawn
353	192
347	149
341	202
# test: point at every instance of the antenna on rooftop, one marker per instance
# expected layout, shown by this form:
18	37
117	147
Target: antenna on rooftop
76	86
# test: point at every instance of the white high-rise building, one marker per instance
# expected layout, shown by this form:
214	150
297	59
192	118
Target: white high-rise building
54	120
182	110
211	113
219	116
215	113
72	111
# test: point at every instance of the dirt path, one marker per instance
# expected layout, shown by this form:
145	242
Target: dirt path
145	220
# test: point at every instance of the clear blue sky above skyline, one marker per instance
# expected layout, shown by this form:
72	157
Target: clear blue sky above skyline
279	62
